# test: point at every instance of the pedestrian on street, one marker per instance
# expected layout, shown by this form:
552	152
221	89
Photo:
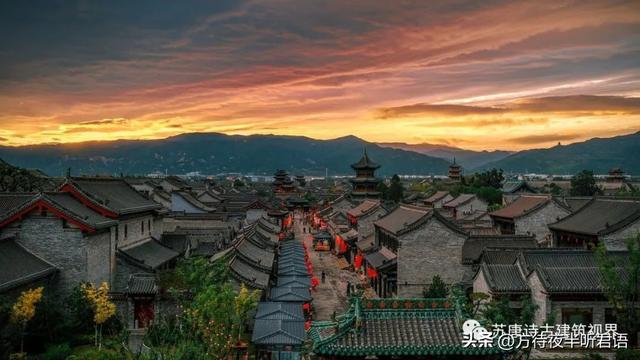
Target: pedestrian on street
323	276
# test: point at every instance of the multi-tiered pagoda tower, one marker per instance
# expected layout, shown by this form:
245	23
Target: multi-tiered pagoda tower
282	183
365	184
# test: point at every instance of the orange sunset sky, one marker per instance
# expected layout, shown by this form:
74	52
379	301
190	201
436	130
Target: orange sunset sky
476	74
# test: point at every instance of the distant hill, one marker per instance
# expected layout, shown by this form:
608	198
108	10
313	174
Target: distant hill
467	158
597	154
213	153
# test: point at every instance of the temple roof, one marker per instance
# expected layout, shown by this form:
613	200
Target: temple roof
365	162
439	195
600	217
20	266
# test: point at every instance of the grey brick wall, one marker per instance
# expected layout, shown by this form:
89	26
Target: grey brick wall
99	257
432	249
536	222
66	248
365	223
616	240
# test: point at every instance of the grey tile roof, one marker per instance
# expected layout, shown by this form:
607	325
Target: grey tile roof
298	281
68	203
600	216
248	274
261	257
278	332
560	280
270	310
403	218
142	284
175	241
364	208
504	278
460	200
500	256
11	202
290	294
205	248
381	258
513	186
150	253
19	266
114	194
439	195
367	243
474	245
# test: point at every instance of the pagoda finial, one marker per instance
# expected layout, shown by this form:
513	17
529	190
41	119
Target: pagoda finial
454	160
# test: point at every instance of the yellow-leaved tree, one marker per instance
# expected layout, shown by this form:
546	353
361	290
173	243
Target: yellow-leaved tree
103	308
245	302
25	309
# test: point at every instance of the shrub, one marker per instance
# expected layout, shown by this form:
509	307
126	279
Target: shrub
57	352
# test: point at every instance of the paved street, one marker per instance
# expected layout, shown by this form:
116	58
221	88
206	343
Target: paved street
331	295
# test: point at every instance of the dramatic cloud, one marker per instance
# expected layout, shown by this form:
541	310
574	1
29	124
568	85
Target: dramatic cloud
454	72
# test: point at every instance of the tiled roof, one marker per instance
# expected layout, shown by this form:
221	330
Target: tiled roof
114	194
191	199
504	278
150	253
571	279
19	266
474	245
290	294
322	235
439	195
500	256
402	218
521	206
364	208
381	258
460	200
175	241
11	202
248	274
261	257
68	203
600	217
279	311
365	162
300	281
278	332
513	186
403	327
142	284
367	243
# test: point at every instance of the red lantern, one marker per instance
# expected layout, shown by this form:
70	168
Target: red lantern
357	261
307	325
372	273
314	282
306	307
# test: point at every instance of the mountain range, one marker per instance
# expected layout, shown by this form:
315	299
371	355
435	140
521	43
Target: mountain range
213	153
469	159
597	154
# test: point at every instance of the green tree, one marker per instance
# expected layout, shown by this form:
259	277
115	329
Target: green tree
238	183
382	188
584	184
437	288
490	178
396	190
620	275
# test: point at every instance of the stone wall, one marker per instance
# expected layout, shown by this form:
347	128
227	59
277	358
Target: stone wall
136	232
365	223
99	257
539	298
468	208
429	250
616	240
64	247
536	222
480	284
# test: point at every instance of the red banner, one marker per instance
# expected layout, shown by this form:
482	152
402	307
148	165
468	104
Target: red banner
357	261
372	273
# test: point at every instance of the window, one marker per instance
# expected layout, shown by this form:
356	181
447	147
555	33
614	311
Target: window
125	231
142	227
117	232
149	224
573	316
